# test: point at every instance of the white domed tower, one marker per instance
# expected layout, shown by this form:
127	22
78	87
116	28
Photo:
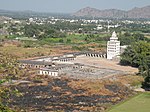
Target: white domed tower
113	46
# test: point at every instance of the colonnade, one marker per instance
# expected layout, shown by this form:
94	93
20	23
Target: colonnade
96	55
63	59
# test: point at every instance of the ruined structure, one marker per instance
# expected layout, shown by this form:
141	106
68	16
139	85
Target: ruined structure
78	65
64	64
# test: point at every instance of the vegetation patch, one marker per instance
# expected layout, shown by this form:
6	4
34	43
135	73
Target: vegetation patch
139	103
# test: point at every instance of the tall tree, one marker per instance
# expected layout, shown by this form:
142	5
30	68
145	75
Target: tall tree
138	55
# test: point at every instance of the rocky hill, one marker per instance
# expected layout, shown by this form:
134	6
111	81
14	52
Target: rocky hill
137	13
143	12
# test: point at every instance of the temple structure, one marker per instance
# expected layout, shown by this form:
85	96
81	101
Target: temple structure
113	46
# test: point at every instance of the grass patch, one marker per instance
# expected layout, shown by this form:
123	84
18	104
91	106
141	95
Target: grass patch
25	52
29	52
133	80
139	103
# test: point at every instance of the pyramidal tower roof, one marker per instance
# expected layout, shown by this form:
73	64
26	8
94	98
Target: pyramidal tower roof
114	36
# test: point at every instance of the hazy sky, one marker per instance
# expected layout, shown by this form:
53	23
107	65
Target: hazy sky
68	6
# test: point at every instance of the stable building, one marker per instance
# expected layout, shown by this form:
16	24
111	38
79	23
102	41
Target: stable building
113	46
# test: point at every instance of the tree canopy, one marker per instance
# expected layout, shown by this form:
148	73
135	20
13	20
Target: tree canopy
128	38
138	55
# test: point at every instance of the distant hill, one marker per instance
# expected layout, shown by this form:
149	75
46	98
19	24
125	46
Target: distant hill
136	13
143	12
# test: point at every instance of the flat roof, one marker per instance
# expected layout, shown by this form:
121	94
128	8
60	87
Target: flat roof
35	62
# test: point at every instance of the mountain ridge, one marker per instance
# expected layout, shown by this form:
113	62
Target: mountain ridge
137	13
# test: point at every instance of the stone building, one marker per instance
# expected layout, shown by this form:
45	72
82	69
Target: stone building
113	46
34	64
61	65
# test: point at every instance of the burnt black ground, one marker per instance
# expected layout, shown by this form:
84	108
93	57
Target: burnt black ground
44	98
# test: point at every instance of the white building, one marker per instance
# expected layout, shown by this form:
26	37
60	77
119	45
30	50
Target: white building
113	47
49	72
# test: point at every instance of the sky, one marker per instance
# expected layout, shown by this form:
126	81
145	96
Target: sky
69	6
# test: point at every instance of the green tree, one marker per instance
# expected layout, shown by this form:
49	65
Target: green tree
138	36
146	83
128	38
138	55
146	72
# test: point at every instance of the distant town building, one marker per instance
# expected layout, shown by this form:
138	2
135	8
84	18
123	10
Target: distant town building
31	20
113	46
